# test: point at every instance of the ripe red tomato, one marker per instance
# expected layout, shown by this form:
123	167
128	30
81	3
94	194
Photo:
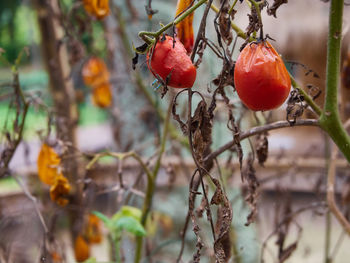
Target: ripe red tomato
172	62
261	78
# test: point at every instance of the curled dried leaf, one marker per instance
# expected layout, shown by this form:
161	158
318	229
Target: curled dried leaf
95	72
262	148
56	257
59	190
276	4
93	231
295	106
201	128
48	164
248	174
97	8
81	249
225	23
184	29
102	95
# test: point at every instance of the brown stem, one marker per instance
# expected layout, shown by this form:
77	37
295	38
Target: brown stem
260	129
330	193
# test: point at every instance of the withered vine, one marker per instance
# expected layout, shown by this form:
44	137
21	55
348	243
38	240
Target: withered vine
193	130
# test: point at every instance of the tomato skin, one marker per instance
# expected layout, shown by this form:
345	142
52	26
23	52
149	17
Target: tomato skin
167	59
261	79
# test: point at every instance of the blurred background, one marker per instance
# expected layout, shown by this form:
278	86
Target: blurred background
292	180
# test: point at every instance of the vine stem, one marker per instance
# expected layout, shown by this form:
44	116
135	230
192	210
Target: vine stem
330	119
145	35
121	156
261	129
151	184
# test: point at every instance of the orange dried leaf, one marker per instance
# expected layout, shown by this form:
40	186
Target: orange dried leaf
48	164
93	229
97	8
59	190
81	249
184	29
55	257
95	72
102	95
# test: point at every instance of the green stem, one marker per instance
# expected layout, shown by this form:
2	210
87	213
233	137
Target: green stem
155	35
232	6
257	8
330	119
115	240
151	184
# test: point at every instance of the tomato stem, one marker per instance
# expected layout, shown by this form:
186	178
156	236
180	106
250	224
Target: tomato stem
330	119
232	6
177	20
257	8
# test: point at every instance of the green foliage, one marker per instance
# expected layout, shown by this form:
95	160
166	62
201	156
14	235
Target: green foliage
130	225
90	260
17	29
127	218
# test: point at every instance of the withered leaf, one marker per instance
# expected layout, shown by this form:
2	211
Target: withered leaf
225	23
59	190
102	95
81	249
48	164
99	9
222	244
276	4
93	231
248	174
262	148
95	72
201	128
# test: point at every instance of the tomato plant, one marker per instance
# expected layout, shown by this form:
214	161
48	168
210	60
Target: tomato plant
261	78
169	61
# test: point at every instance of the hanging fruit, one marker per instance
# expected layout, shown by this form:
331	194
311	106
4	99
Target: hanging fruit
261	78
170	62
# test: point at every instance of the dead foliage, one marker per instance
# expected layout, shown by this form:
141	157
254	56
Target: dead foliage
276	4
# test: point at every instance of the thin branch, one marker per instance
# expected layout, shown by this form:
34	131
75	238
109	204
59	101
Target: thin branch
151	184
35	203
330	193
121	156
260	129
145	35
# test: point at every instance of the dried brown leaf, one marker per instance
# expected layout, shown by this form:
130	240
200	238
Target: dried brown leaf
248	174
262	148
276	4
225	23
48	164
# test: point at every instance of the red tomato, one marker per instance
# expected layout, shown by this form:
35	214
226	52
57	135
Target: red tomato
261	78
172	63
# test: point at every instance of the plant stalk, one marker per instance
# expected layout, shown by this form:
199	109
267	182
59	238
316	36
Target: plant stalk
151	184
330	119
